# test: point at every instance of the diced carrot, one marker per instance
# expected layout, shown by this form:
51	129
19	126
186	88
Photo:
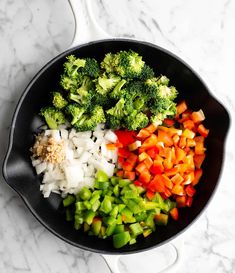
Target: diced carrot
177	179
151	128
111	146
165	138
181	168
134	146
143	133
188	133
157	166
181	201
149	142
178	190
199	139
197	116
129	175
127	166
174	214
167	182
171	171
197	176
119	173
189	124
132	159
181	107
157	184
175	139
145	177
179	155
202	130
182	142
167	193
188	178
199	148
152	152
173	131
150	194
190	162
148	162
190	142
141	167
142	156
198	160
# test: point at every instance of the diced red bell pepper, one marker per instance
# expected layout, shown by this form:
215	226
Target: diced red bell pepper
181	201
138	183
189	201
198	160
168	122
157	167
125	137
132	159
119	173
189	124
190	190
197	176
123	152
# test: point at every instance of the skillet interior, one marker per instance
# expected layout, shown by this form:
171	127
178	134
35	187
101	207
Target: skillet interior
20	175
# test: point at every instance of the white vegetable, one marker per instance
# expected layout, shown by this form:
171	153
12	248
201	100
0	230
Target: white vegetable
110	136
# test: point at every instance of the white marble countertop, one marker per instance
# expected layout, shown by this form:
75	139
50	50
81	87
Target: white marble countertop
202	32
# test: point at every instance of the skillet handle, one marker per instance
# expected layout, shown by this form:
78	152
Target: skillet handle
86	27
177	245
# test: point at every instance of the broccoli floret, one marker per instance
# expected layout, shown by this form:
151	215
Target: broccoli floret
53	117
75	69
165	92
106	83
118	92
108	63
89	122
162	109
118	110
146	73
75	111
97	114
91	68
58	100
136	121
128	64
113	122
83	94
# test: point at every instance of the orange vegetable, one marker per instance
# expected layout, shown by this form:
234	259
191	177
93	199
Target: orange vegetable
181	107
202	130
174	214
197	116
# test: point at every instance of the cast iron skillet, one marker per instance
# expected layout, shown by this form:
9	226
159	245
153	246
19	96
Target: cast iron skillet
20	175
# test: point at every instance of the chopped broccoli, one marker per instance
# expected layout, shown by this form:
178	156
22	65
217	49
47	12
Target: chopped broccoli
83	94
113	122
108	63
118	110
58	100
136	120
106	83
165	92
118	92
75	111
146	73
52	116
91	68
89	122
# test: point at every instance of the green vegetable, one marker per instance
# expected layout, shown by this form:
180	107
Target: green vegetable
52	116
116	208
121	91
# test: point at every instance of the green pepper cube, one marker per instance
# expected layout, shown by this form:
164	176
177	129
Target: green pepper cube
116	190
136	229
101	185
96	226
106	205
79	206
110	229
121	239
88	217
70	199
114	211
101	176
85	193
96	205
119	229
68	214
124	182
114	180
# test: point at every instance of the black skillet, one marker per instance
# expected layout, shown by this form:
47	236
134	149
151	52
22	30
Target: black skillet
20	175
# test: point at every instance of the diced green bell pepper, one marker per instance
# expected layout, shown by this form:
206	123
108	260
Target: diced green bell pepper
70	199
121	239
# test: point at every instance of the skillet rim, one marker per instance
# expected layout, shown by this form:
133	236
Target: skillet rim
27	90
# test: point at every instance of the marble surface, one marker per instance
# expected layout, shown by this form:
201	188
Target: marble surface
202	32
